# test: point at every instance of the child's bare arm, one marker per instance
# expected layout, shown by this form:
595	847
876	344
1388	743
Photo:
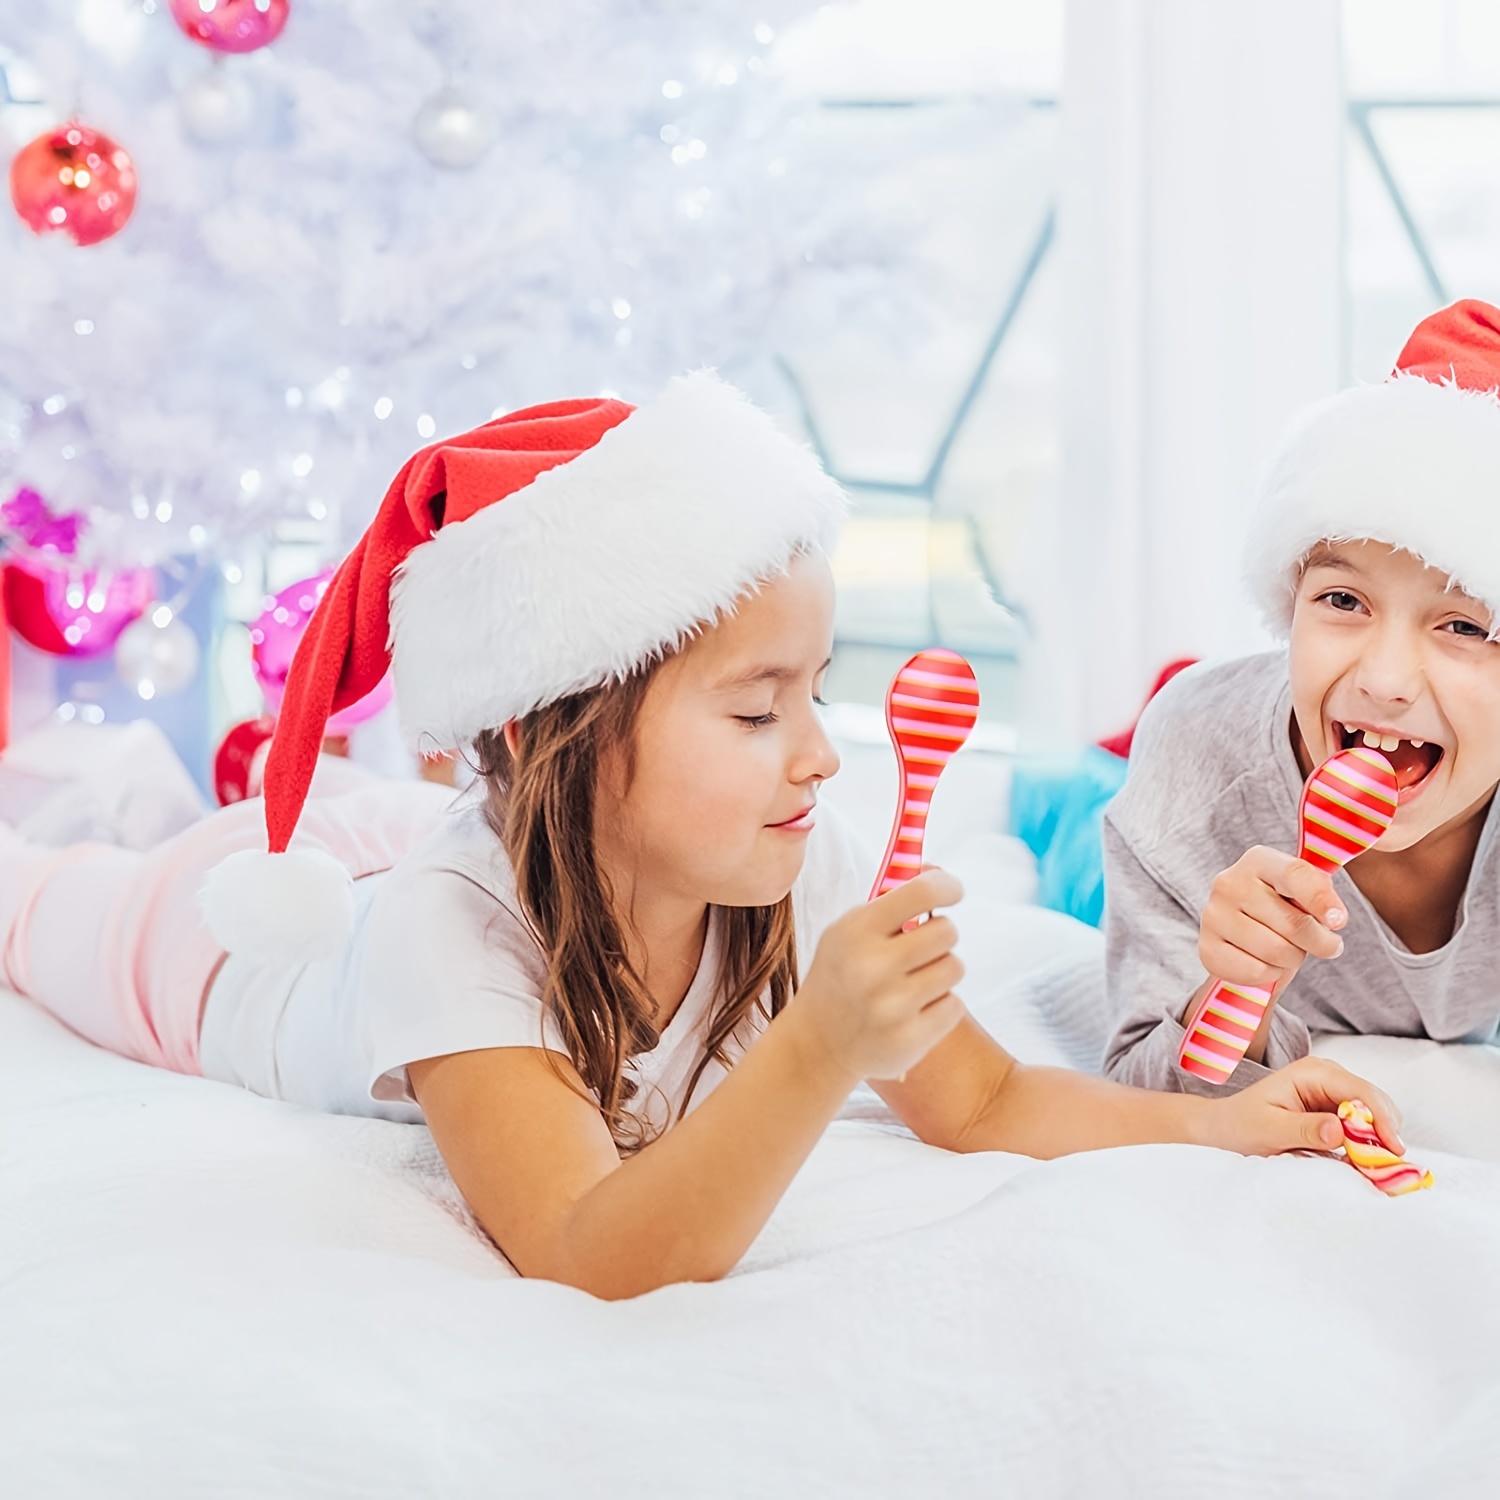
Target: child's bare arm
969	1094
531	1153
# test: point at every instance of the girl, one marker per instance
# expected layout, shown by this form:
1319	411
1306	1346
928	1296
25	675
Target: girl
1377	553
590	977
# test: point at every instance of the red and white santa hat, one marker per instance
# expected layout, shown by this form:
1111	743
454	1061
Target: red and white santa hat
1413	462
547	552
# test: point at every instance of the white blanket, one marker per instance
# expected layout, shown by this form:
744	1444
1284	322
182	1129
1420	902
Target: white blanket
202	1293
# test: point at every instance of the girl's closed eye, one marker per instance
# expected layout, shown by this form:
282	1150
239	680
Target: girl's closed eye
760	721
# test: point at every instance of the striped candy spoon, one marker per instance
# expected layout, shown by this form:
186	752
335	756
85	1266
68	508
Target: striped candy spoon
932	704
1347	804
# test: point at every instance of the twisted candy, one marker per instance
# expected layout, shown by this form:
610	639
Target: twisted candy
1367	1154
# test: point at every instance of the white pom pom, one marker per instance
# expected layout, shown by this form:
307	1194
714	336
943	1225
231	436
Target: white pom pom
295	906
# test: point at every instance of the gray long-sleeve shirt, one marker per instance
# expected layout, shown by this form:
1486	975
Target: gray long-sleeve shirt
1212	773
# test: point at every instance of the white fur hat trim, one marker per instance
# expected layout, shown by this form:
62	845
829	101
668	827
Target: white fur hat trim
1411	463
602	563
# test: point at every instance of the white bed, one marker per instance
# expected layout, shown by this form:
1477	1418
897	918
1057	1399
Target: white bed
204	1293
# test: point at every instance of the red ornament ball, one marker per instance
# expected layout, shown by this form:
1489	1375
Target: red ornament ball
240	760
73	614
76	180
231	25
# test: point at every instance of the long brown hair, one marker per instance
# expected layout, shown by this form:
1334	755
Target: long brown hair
541	803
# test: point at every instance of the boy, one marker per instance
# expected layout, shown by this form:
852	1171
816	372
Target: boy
1376	552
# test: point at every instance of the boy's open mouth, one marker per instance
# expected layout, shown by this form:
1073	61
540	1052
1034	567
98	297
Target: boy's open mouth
1413	761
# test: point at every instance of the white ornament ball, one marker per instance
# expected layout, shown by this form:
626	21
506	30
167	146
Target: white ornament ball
154	660
216	106
451	130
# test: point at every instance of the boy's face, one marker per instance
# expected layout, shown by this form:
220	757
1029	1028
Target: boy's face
1384	646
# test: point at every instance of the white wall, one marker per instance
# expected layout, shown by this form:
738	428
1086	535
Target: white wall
1199	243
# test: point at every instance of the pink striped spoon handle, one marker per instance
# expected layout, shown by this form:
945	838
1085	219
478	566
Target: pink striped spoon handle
1347	804
930	708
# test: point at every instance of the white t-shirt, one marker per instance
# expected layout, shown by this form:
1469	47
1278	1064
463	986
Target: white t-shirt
443	961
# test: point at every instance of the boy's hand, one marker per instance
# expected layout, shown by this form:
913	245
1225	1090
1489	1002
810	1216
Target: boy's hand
1296	1108
1265	914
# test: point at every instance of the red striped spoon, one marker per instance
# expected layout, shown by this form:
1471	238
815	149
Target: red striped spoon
932	704
1347	804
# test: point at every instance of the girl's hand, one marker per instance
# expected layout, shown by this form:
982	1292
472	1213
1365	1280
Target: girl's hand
1265	914
876	998
1296	1108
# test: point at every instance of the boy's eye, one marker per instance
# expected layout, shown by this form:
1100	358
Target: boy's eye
756	721
1468	630
1341	600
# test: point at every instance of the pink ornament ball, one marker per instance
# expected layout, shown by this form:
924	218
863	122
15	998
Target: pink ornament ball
72	612
231	25
75	180
273	644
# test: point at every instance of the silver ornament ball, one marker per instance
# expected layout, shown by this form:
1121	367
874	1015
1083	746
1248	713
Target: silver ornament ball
215	106
154	660
451	130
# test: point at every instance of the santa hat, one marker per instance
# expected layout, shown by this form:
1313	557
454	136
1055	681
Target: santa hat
1413	462
550	551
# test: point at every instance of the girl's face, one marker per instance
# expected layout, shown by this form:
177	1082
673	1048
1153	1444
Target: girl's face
729	752
1385	652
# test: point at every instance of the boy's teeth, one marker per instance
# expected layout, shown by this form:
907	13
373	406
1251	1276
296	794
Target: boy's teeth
1376	741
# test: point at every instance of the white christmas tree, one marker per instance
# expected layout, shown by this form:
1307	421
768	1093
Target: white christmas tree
303	296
